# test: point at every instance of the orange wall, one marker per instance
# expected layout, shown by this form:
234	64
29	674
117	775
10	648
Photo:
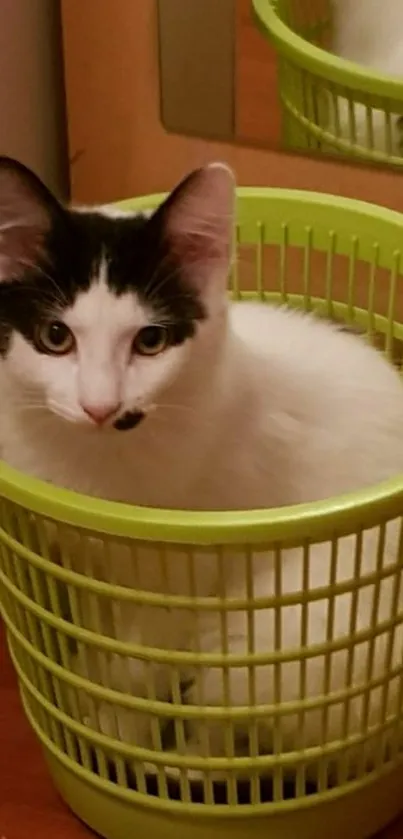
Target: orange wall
117	143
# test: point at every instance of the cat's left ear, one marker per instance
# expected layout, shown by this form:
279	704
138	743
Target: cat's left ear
198	219
27	213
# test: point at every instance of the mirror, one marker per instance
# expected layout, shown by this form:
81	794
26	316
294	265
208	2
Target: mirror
218	75
222	78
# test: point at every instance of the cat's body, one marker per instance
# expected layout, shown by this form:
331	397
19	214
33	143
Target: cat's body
370	33
246	407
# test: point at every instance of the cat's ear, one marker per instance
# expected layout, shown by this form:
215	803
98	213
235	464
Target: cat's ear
198	223
27	211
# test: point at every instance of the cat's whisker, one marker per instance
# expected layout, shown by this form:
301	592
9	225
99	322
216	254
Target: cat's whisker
57	295
206	226
166	259
172	407
184	294
166	277
26	399
48	408
26	406
157	289
15	223
64	412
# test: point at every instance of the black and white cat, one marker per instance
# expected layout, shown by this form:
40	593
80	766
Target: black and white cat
126	374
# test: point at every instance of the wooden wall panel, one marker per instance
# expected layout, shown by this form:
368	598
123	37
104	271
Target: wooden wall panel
257	110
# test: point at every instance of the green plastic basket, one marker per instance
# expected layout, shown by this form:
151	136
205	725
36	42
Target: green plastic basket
342	259
329	104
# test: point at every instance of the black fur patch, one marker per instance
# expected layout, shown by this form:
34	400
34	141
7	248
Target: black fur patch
128	420
138	258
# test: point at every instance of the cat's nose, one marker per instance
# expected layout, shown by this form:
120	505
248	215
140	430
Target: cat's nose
100	413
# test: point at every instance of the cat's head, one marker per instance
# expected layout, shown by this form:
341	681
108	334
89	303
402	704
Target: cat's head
99	312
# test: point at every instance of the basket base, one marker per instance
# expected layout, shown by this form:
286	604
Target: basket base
357	815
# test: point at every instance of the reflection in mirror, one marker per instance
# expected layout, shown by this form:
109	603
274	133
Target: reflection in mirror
314	76
339	98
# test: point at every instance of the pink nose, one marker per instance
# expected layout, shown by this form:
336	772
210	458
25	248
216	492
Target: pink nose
100	413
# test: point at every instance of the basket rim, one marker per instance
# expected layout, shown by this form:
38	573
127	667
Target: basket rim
319	61
314	520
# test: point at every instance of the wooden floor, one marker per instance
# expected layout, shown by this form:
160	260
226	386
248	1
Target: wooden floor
29	806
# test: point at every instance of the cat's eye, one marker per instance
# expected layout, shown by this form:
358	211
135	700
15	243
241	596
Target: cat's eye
151	340
55	338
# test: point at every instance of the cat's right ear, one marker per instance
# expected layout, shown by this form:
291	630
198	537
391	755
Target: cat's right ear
198	222
27	213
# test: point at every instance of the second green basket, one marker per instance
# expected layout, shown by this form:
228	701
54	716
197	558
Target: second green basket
329	104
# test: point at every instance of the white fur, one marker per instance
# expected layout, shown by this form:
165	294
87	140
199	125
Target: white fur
370	33
264	407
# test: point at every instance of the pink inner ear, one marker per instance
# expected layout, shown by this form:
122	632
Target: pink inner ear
20	246
21	241
24	222
199	245
199	218
199	226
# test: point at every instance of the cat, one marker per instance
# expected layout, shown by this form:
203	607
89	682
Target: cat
369	33
127	374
